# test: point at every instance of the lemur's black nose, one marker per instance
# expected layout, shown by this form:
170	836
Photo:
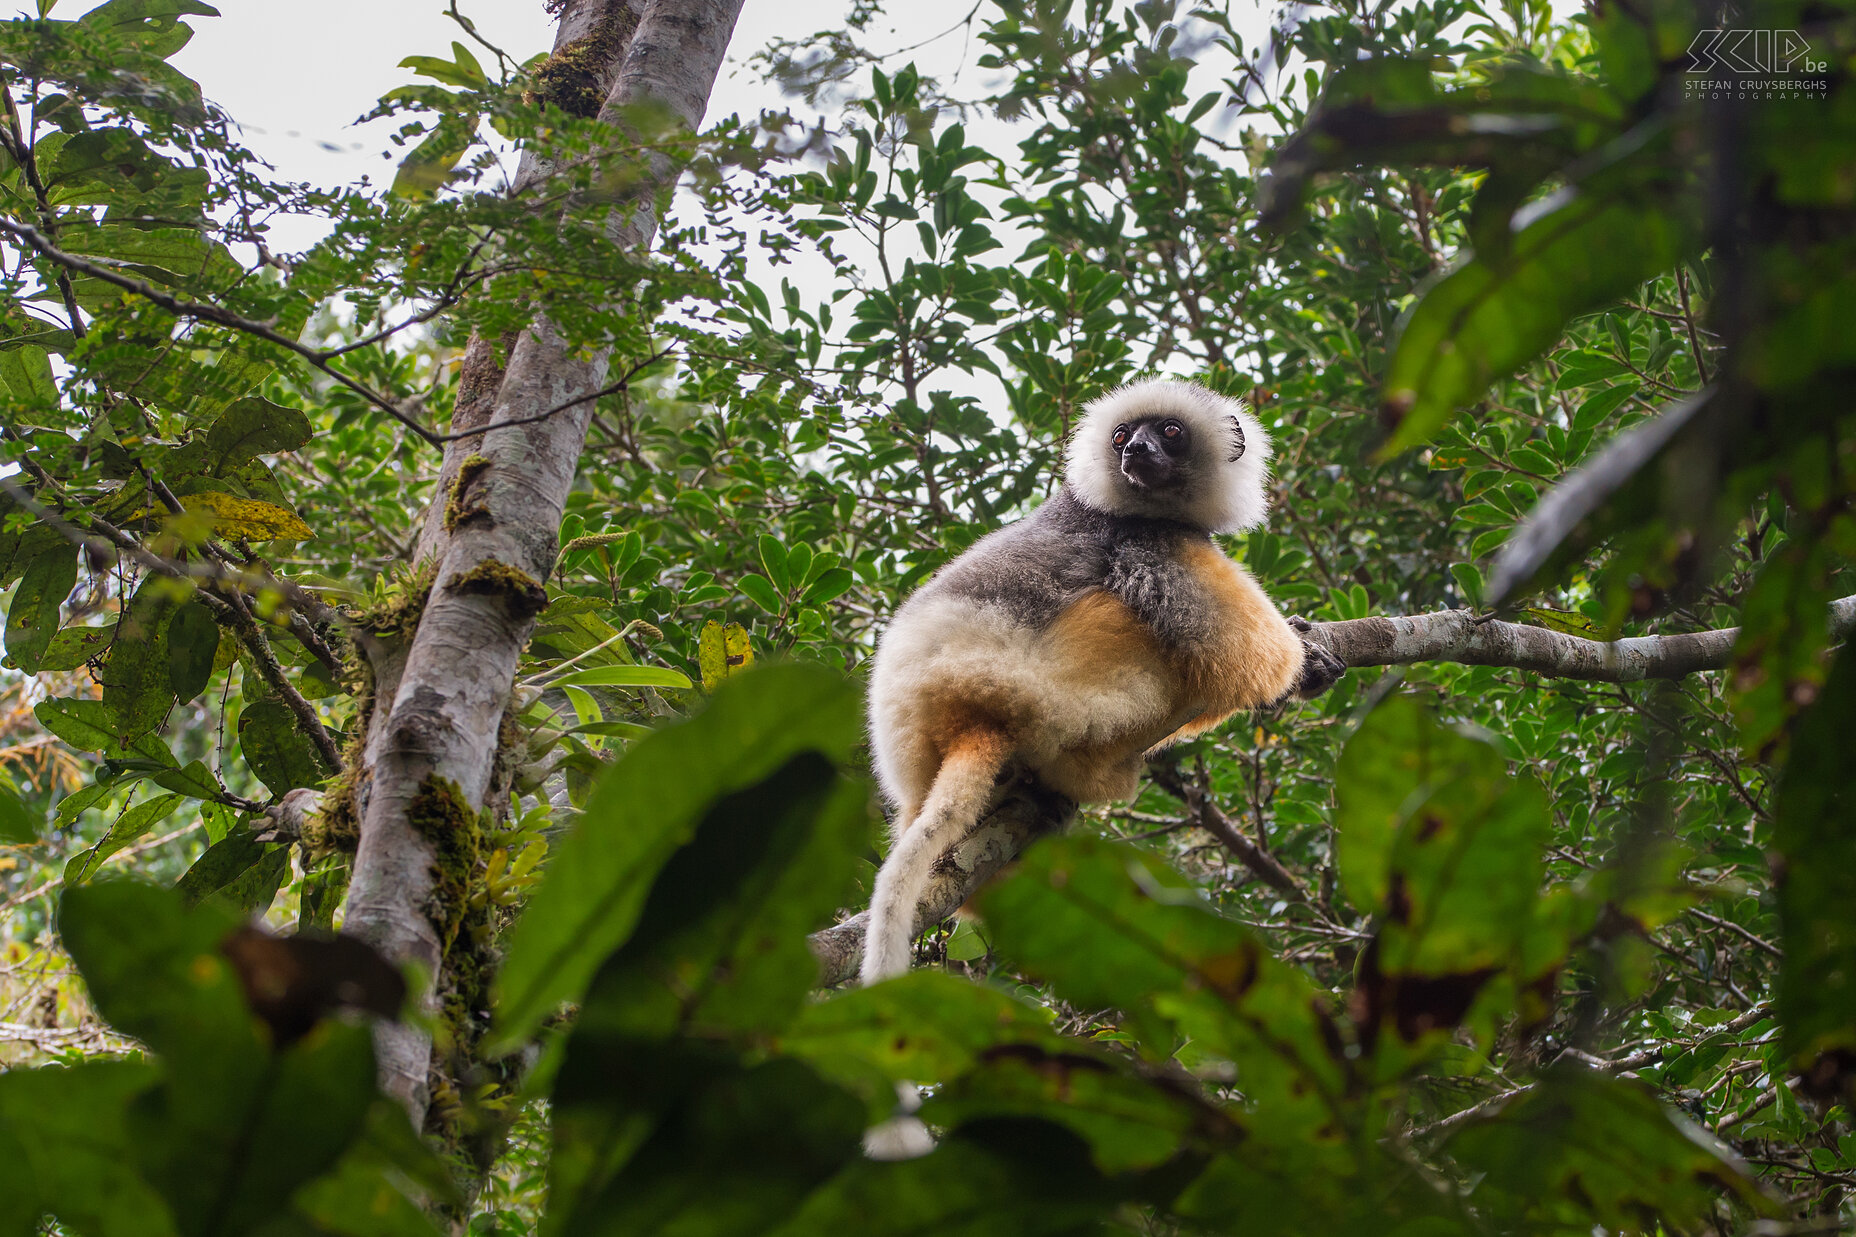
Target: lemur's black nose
1140	446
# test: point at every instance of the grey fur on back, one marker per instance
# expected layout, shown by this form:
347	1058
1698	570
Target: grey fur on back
1031	570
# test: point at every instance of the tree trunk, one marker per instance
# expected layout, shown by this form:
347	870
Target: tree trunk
432	744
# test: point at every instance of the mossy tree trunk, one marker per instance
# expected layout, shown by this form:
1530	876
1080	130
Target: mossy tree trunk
430	760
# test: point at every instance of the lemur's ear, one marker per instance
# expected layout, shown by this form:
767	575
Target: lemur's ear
1237	440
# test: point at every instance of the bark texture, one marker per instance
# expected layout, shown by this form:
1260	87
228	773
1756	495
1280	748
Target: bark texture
432	745
1028	812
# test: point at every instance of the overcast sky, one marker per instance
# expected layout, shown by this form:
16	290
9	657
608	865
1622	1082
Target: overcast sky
297	75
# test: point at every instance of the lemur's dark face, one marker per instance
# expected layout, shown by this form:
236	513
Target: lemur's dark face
1154	452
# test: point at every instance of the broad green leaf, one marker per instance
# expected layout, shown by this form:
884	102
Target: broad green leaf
196	781
129	827
1111	927
239	1123
137	686
644	808
249	428
830	585
1581	1148
1004	1178
89	725
32	616
622	676
1397	756
926	1026
19	824
240	871
426	169
378	1187
279	753
193	643
760	593
65	1150
1130	1124
728	915
26	370
1815	833
71	647
699	1143
773	560
1487	318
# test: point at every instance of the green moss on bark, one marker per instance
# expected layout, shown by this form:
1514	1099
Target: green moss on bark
573	78
460	509
520	591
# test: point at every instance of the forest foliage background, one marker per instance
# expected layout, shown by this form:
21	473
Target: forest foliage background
1533	322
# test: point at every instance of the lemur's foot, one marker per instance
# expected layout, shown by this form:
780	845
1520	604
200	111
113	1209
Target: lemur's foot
1320	668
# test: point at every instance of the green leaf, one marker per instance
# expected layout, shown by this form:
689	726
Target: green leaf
761	593
729	913
19	825
129	827
71	647
32	618
1443	844
242	873
829	586
644	808
251	427
1003	1178
88	725
65	1149
279	753
1131	1125
694	1142
1815	832
773	559
26	371
195	781
193	643
136	683
426	169
623	676
612	730
240	1121
1488	318
1111	927
1582	1148
1397	755
926	1026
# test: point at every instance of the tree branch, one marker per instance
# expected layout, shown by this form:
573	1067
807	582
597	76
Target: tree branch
1458	636
36	241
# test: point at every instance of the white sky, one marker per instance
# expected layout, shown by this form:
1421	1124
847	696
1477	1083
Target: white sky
296	76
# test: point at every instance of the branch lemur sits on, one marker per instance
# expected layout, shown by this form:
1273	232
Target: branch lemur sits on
1071	644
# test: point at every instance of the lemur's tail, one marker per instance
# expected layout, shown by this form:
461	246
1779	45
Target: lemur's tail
953	806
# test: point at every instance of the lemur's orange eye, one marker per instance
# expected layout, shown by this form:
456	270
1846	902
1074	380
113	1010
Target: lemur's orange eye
1172	429
1121	436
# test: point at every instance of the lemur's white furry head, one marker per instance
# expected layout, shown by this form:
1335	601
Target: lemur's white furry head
1221	476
